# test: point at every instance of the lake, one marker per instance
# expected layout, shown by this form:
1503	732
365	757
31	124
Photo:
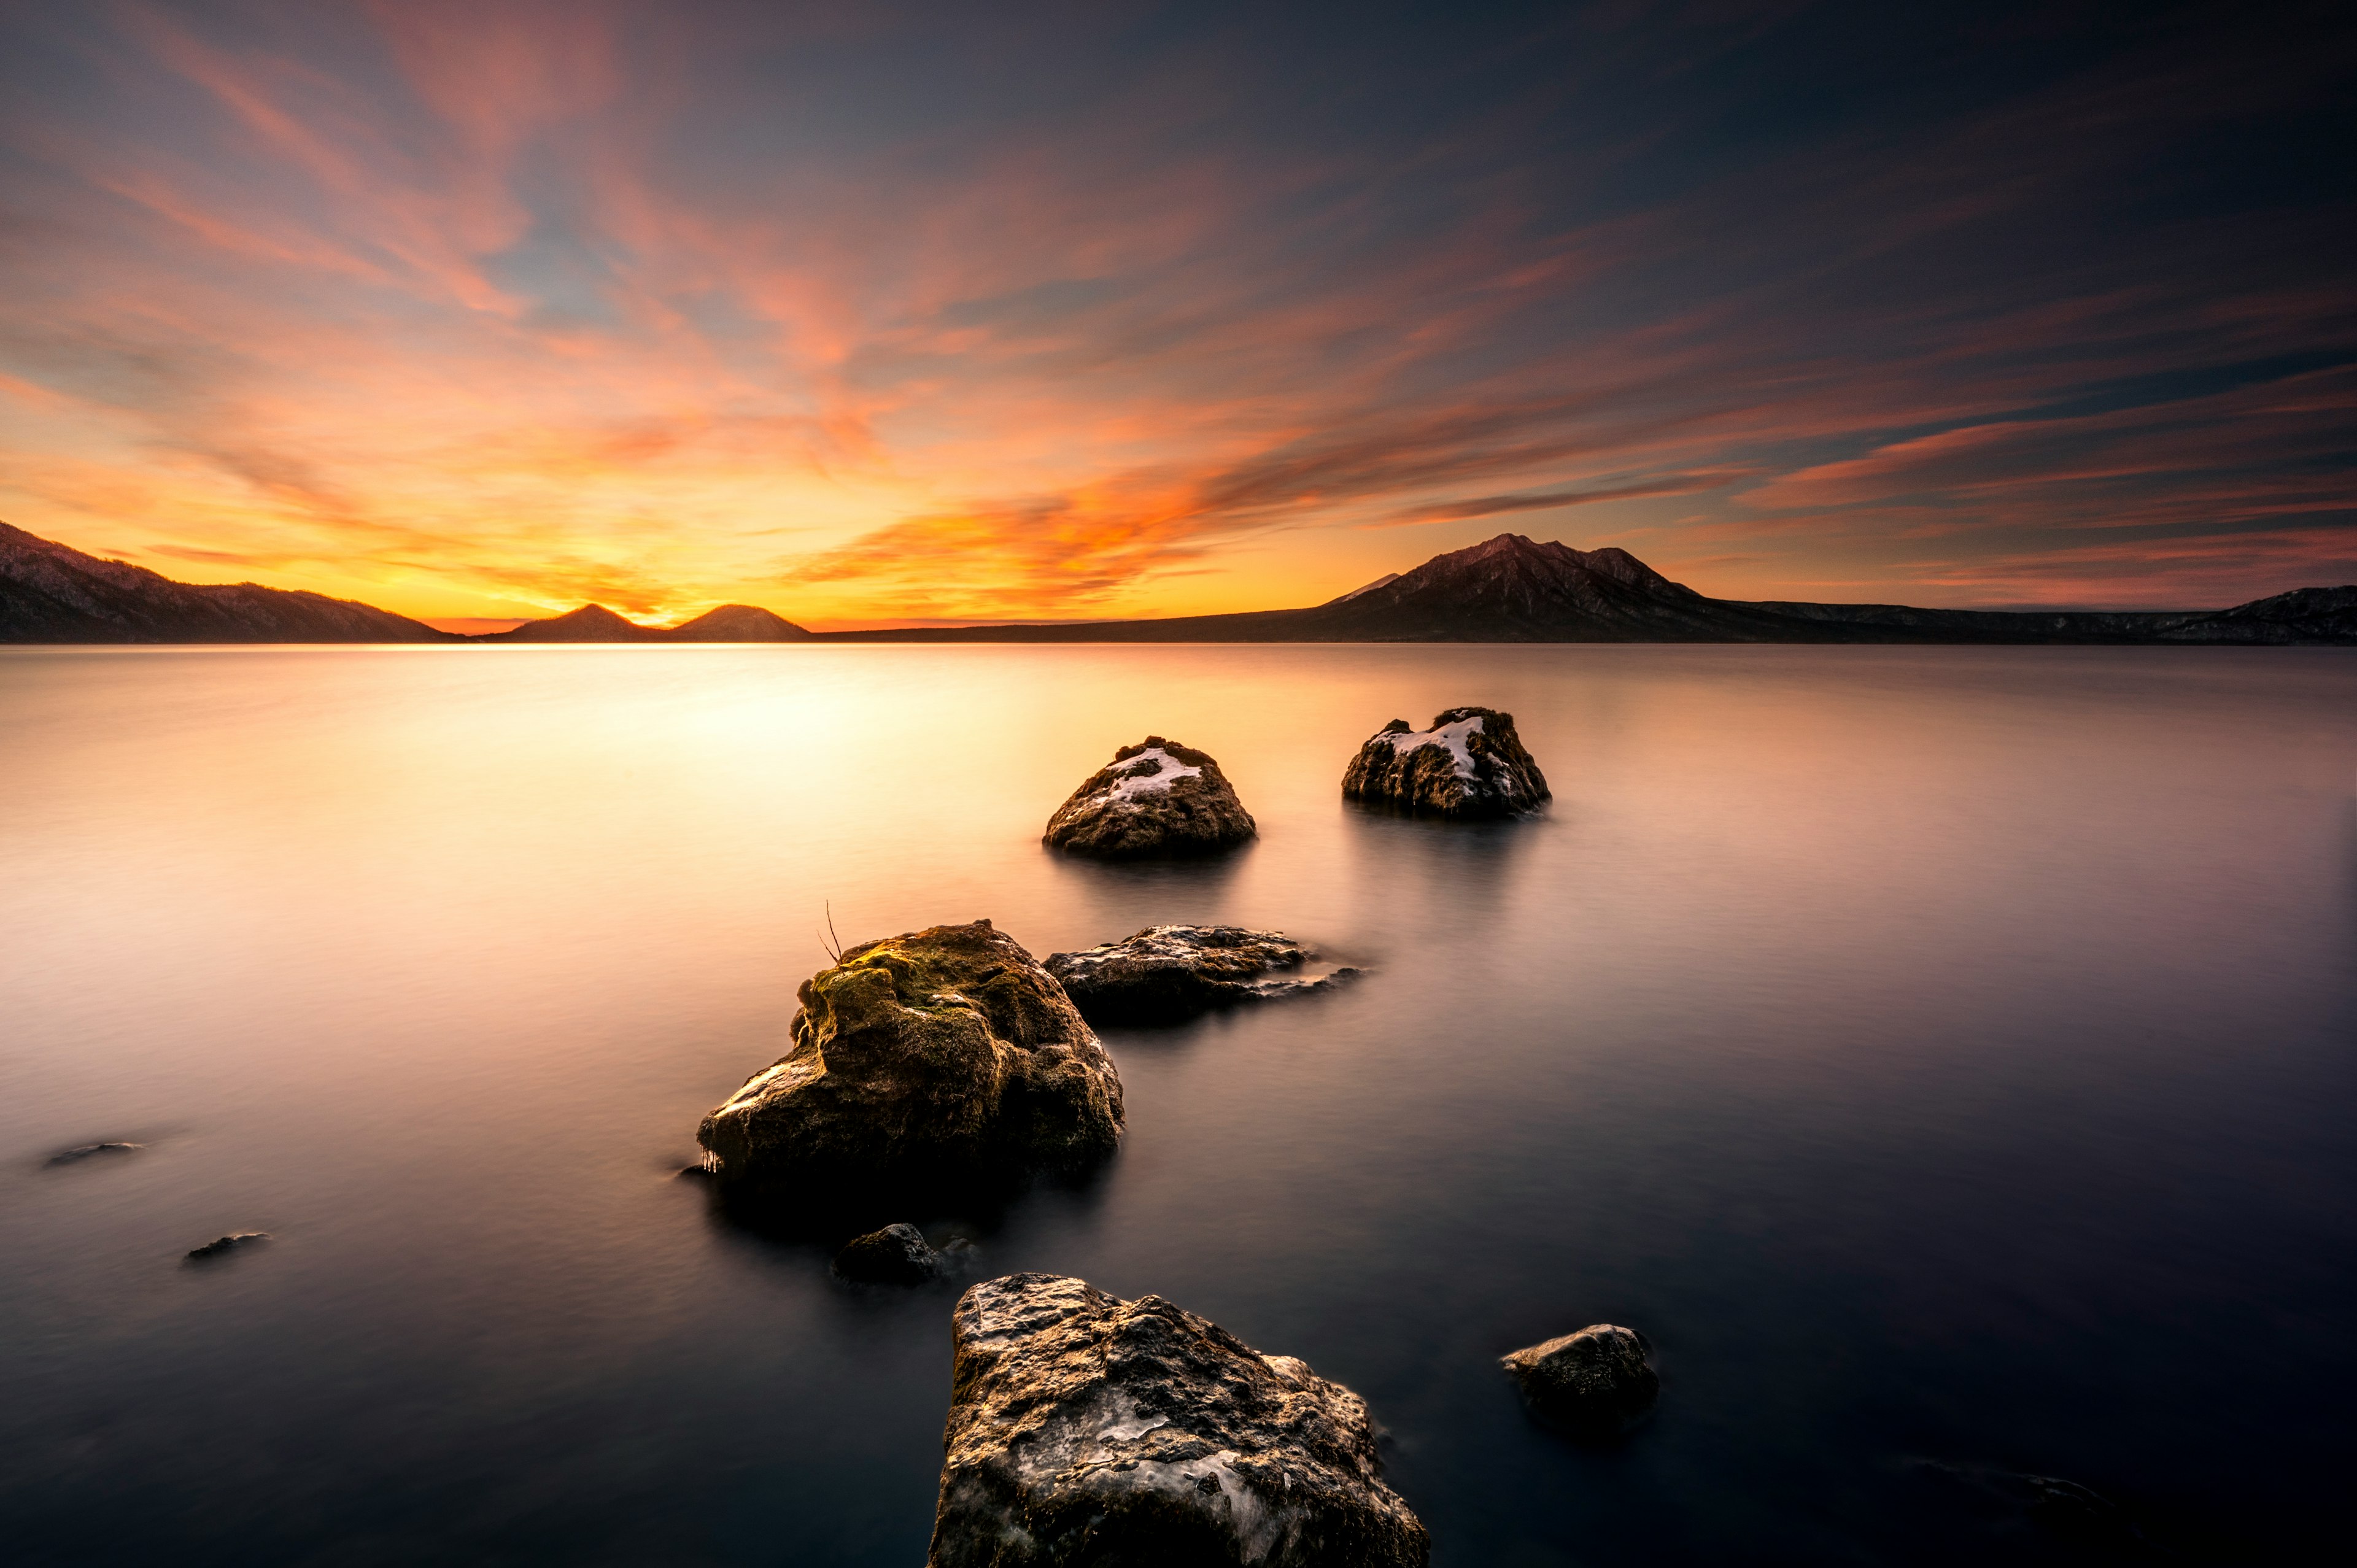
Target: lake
1946	1057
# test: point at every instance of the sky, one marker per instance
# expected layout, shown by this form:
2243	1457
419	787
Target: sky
876	314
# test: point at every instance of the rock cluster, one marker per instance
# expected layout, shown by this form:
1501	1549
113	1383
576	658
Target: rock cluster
1157	798
1167	973
939	1057
1085	1429
1595	1381
1469	763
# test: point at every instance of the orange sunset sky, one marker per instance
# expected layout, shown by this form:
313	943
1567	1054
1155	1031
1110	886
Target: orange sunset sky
874	315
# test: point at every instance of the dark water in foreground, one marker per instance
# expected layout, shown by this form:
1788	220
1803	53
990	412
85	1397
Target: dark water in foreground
1945	1057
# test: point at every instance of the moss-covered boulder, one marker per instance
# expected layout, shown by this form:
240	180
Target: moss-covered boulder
1087	1429
1155	799
921	1063
1469	764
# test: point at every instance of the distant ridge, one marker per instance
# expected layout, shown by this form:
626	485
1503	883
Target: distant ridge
596	623
1507	589
1515	589
53	593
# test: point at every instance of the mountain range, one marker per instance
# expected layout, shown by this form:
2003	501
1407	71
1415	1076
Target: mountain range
1507	589
596	623
53	593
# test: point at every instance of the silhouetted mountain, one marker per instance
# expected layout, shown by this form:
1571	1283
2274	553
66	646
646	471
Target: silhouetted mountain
53	593
596	623
2303	615
590	623
738	623
1512	589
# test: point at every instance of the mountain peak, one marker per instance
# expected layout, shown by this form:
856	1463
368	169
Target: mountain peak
590	623
739	623
1518	587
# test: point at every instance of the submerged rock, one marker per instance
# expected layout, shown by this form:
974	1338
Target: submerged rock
75	1156
2070	1510
1595	1380
899	1255
232	1242
1157	798
1167	973
938	1057
1469	763
896	1255
1085	1429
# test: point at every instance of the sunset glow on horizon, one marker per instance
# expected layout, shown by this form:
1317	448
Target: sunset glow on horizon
491	310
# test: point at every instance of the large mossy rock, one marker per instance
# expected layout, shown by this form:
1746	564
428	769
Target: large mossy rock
1595	1382
1470	763
1168	973
938	1058
1088	1429
1157	798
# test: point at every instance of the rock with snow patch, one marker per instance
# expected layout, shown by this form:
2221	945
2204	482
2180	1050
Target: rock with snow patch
1167	973
1469	763
1085	1429
896	1255
1595	1380
1157	798
922	1064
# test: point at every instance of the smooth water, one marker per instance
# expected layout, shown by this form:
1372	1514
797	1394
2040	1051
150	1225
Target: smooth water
1945	1057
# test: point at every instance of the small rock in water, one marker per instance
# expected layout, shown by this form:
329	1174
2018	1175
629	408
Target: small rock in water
1085	1429
2079	1513
896	1255
1168	973
1595	1381
69	1156
1157	798
1469	764
221	1245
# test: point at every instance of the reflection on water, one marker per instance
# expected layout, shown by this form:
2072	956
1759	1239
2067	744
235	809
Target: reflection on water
1942	1056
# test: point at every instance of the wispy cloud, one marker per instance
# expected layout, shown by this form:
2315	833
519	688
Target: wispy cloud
1549	500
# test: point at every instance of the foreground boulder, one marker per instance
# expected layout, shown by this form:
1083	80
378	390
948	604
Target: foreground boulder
1085	1429
1469	763
1157	798
938	1058
1595	1381
1167	973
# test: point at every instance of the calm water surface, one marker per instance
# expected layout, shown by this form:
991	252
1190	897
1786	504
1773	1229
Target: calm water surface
1945	1056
